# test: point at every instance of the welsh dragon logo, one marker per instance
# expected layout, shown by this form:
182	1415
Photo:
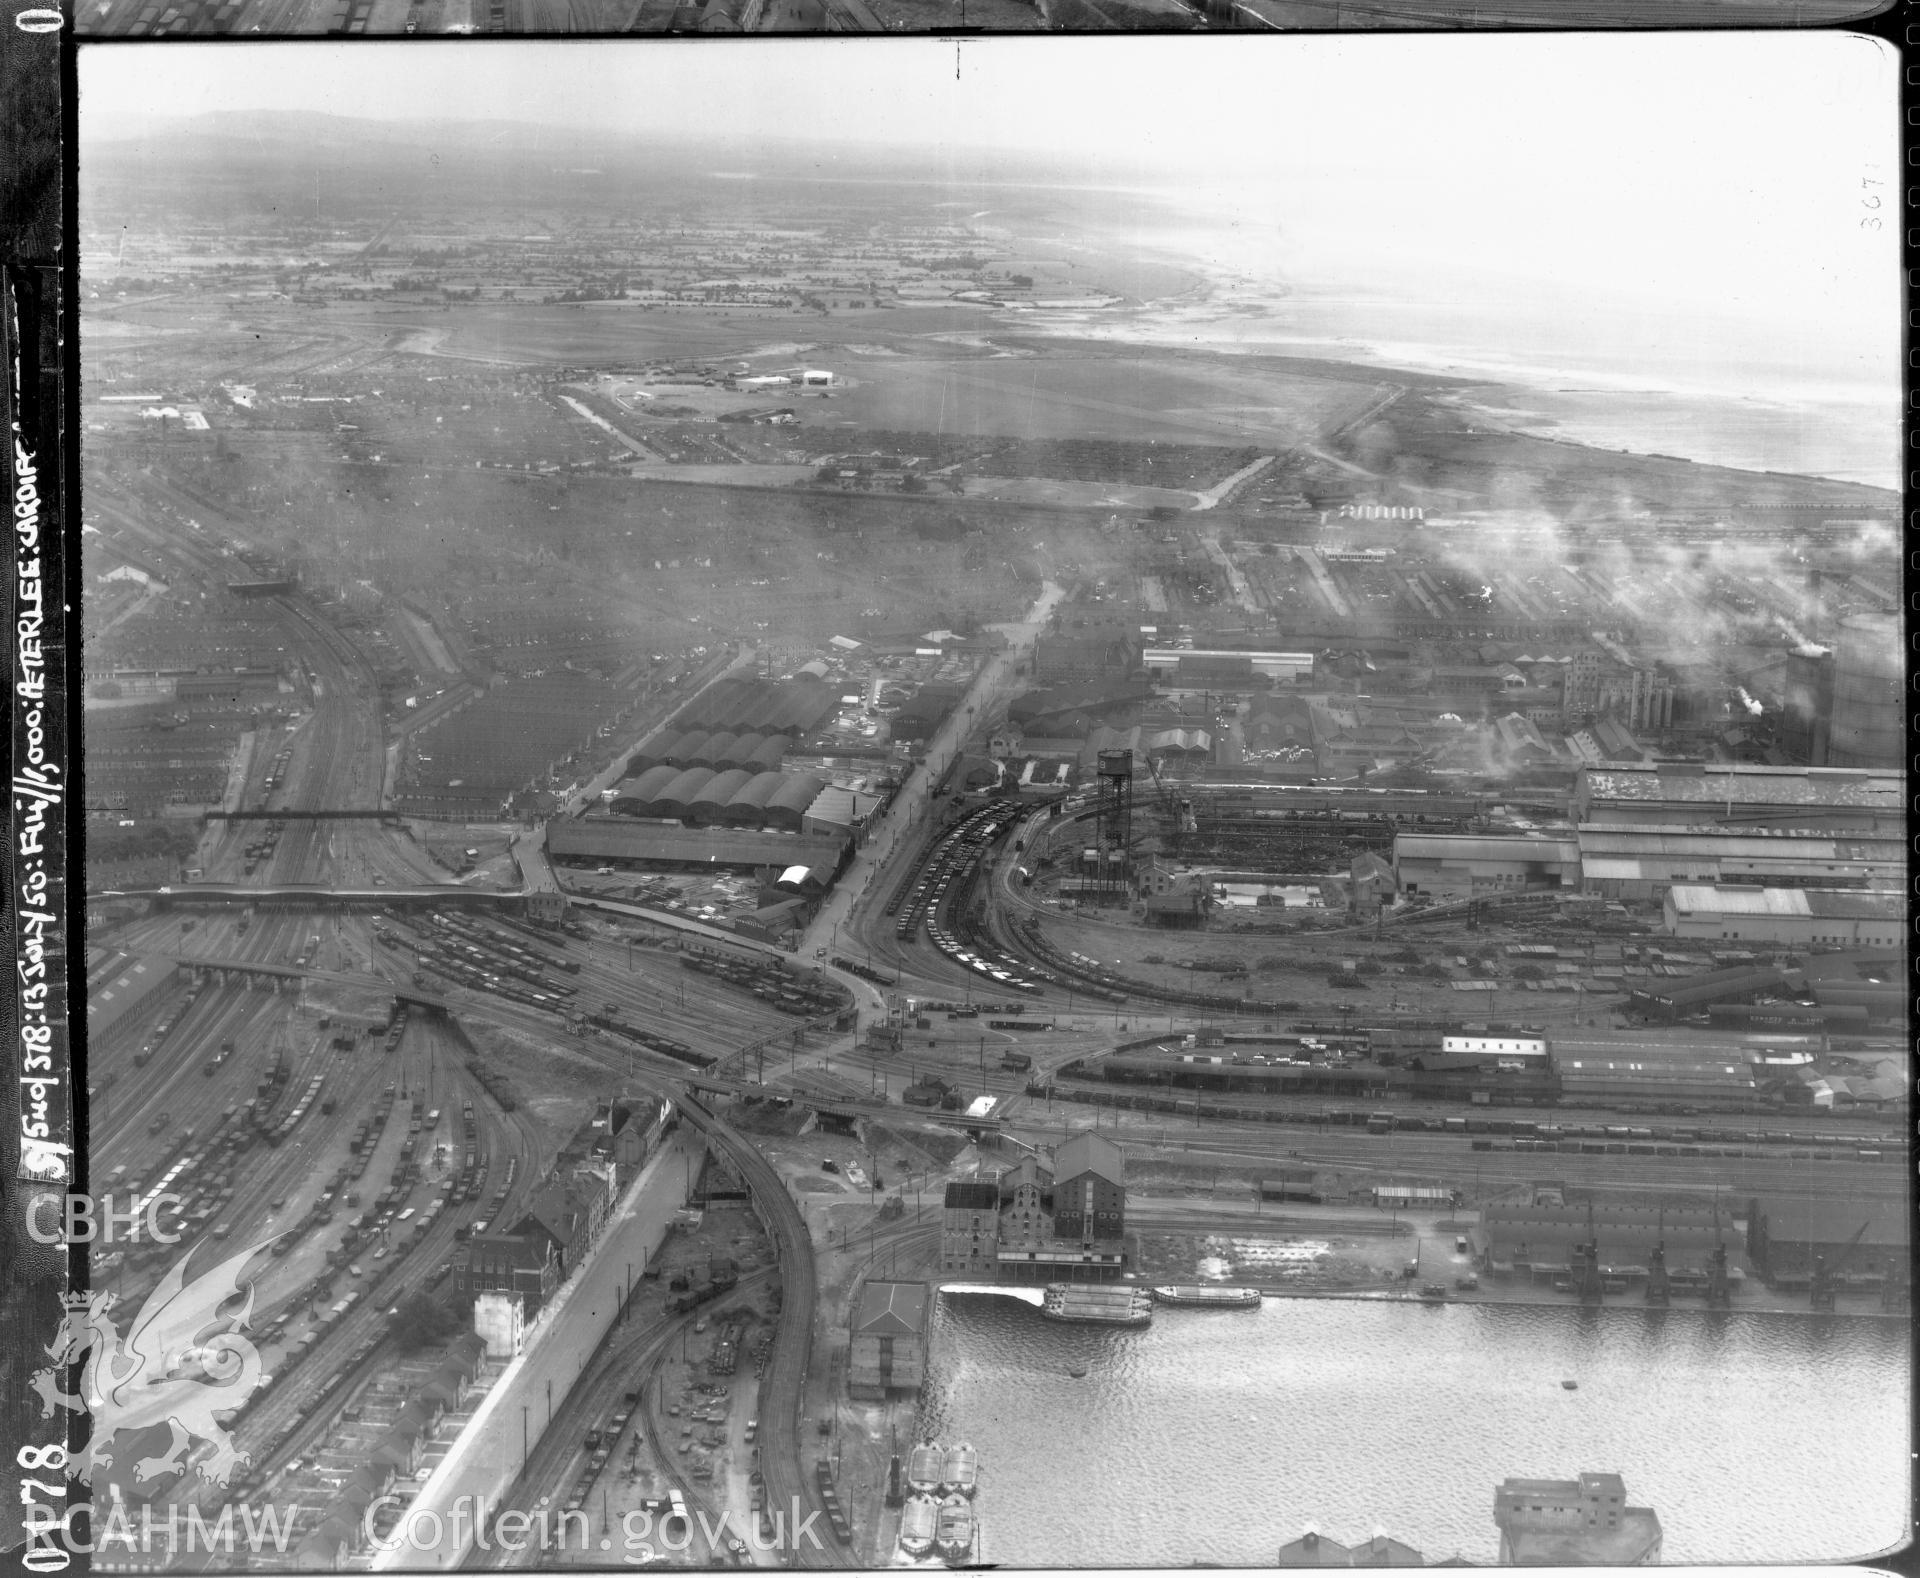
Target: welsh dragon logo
170	1369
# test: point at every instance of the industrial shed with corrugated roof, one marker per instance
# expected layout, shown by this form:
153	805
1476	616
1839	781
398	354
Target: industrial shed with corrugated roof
686	750
677	797
787	805
637	795
709	805
748	807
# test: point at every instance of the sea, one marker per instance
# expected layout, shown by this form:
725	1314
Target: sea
1218	1436
1643	376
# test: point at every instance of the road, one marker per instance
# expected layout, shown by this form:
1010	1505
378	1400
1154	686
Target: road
487	1458
905	818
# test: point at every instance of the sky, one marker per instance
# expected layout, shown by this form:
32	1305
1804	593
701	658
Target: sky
1729	173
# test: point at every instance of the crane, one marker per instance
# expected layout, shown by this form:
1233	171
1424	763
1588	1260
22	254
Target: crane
1179	812
1821	1290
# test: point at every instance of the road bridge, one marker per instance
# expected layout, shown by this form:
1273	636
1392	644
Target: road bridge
286	814
286	976
848	1108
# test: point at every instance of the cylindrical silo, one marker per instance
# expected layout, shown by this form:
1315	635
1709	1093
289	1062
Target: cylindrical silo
1868	727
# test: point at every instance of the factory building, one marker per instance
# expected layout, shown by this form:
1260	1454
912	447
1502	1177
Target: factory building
667	845
795	707
1787	917
1195	668
748	807
1694	994
1657	1072
1633	863
710	803
838	812
1873	980
735	797
1452	866
1725	795
888	1352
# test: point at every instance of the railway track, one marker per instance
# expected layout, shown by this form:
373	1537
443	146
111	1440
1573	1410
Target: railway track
786	1482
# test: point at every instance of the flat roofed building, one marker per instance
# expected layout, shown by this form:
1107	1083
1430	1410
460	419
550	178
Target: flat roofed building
1793	917
1501	1048
840	810
1595	1070
888	1352
1285	667
1641	863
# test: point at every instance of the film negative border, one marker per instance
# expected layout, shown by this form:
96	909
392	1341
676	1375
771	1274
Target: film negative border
40	1159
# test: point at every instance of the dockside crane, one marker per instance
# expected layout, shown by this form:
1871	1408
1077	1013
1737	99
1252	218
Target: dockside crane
1587	1283
1659	1290
1821	1290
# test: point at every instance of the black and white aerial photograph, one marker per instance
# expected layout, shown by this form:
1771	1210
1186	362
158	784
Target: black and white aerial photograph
709	18
988	802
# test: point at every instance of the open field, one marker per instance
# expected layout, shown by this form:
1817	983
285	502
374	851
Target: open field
1130	398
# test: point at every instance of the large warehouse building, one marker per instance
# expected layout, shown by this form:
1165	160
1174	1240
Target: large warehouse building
1726	795
1534	1235
736	797
670	844
1643	862
1789	917
1449	866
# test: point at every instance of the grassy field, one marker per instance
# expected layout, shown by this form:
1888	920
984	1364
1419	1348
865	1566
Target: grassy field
1072	393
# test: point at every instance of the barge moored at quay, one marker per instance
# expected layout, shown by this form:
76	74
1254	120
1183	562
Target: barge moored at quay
1098	1304
955	1528
924	1468
960	1470
919	1524
1208	1296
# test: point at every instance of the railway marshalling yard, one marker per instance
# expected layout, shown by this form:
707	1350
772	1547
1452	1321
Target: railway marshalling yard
386	1023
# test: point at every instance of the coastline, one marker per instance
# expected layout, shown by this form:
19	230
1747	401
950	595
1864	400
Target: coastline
1758	430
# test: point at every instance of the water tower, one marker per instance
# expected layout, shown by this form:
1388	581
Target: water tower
1868	723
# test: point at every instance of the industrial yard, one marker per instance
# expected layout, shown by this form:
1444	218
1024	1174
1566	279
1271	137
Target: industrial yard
671	772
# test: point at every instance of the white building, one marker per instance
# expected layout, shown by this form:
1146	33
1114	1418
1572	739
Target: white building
501	1320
